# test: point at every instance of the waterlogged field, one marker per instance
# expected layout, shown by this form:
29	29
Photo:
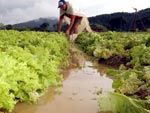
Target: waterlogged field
29	64
130	53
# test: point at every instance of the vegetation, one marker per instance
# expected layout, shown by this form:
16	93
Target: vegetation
123	21
130	52
29	64
30	61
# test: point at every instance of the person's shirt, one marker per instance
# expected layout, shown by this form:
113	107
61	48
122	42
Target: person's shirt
72	10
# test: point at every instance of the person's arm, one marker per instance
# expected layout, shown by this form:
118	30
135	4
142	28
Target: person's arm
60	23
72	17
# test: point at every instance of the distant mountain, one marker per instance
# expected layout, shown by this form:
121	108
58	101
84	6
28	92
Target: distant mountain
37	23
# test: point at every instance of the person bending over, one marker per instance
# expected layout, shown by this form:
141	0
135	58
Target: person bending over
75	18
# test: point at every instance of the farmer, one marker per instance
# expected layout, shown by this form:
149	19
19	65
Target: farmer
74	17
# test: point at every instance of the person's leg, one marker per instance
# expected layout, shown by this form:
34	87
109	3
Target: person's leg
77	22
76	25
74	29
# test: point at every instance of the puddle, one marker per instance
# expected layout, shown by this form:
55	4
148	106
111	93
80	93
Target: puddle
79	93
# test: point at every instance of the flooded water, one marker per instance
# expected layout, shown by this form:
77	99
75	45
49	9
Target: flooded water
79	92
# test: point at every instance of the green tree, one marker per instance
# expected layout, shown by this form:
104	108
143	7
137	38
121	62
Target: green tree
9	27
44	26
117	23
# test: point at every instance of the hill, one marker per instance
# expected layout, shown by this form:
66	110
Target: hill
42	24
122	21
36	23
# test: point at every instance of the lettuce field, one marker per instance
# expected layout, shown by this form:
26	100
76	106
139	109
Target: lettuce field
130	53
30	62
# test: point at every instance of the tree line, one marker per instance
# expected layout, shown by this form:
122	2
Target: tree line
122	21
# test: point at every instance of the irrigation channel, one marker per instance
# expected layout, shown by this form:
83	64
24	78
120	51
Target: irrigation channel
78	93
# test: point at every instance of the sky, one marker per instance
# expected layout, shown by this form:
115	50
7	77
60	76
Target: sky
17	11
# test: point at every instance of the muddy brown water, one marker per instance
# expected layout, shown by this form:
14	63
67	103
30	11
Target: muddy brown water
78	93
